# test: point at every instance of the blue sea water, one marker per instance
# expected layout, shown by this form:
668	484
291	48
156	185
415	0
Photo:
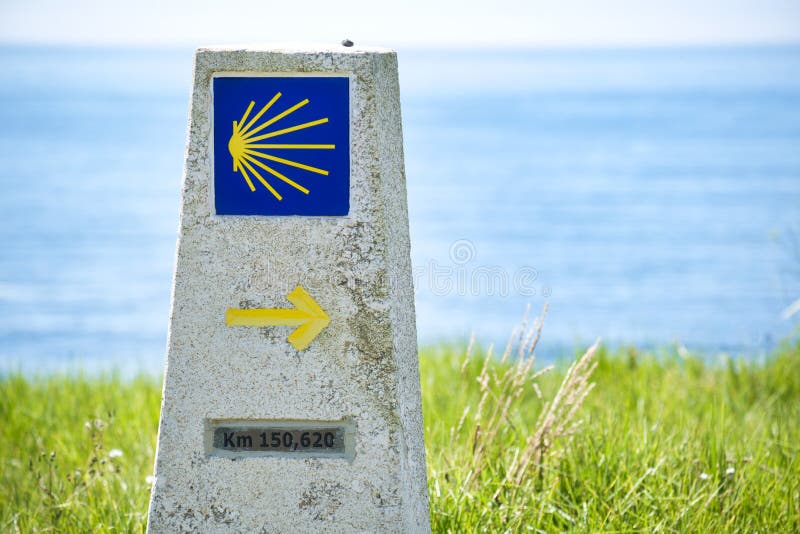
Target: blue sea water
651	196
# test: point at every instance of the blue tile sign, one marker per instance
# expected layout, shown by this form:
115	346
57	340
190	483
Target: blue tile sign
281	145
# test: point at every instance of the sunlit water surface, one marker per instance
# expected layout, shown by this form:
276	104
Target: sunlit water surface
650	196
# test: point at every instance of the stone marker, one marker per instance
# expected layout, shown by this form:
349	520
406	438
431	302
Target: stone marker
291	395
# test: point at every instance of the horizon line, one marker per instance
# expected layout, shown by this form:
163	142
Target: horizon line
464	46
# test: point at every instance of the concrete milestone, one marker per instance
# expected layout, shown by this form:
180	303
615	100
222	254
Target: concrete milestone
291	394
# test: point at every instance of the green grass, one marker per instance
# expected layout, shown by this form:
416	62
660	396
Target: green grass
667	442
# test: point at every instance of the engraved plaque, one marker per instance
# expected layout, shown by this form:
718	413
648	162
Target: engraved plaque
301	439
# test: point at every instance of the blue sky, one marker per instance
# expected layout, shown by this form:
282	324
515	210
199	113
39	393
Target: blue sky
404	23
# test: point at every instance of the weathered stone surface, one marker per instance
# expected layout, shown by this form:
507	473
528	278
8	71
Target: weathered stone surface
362	367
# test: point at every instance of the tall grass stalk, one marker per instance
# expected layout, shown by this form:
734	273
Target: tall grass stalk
507	455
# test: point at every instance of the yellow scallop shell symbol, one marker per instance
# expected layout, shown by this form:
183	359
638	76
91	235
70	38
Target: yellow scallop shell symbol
248	152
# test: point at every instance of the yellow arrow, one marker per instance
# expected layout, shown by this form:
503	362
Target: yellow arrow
309	318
